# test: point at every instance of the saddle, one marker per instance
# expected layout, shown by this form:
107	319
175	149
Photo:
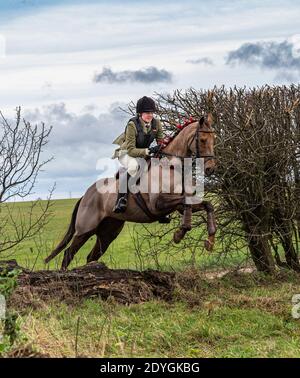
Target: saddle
139	200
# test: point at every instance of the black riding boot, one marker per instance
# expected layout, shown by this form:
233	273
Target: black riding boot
121	203
164	219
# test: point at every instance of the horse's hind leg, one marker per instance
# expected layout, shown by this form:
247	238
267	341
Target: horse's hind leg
95	251
77	243
106	232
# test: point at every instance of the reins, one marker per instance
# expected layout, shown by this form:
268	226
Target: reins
198	153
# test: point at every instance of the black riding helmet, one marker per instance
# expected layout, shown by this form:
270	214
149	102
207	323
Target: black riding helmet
145	104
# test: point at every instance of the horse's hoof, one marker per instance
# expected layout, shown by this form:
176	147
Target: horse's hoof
178	236
208	245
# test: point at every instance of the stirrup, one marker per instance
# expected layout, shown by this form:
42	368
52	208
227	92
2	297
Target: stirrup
121	205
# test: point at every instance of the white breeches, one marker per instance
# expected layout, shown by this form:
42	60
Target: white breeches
130	163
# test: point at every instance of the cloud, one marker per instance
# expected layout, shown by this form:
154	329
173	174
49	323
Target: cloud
63	44
206	61
285	77
146	75
71	129
269	55
77	142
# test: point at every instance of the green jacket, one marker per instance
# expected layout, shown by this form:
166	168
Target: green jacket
127	140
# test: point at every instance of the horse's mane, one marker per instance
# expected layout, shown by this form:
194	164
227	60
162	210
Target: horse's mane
179	127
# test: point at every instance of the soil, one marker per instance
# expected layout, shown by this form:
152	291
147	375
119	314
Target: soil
91	280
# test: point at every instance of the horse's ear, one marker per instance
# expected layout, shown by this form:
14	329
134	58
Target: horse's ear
201	121
209	119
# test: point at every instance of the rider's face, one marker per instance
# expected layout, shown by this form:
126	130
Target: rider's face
147	116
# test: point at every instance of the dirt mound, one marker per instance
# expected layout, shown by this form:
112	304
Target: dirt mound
26	352
92	280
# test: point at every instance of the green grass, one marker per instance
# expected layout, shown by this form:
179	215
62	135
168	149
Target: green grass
121	253
244	316
233	318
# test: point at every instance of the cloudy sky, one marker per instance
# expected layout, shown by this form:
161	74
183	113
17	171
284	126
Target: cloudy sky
71	64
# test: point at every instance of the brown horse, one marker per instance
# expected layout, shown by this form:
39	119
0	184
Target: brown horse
93	213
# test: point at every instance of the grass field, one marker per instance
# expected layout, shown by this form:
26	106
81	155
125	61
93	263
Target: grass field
246	315
120	254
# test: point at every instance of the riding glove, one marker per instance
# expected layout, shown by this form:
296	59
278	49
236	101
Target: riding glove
153	150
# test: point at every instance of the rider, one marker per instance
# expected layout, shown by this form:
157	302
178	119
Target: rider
140	132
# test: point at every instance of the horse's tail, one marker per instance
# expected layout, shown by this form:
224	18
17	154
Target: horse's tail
68	236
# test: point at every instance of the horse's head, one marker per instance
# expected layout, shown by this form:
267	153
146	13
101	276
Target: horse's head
202	143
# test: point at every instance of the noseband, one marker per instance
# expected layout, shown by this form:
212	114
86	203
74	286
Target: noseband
196	135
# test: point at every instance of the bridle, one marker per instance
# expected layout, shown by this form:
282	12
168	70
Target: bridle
196	136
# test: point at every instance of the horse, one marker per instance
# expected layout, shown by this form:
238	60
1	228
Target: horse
93	213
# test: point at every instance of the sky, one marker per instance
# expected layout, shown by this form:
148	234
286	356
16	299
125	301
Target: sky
73	64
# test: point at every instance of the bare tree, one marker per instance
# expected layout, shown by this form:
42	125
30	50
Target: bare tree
256	184
21	145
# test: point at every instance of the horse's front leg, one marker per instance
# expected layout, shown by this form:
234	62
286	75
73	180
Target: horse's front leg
186	224
211	221
174	203
211	225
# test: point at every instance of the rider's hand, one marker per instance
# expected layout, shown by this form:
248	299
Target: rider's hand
153	150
